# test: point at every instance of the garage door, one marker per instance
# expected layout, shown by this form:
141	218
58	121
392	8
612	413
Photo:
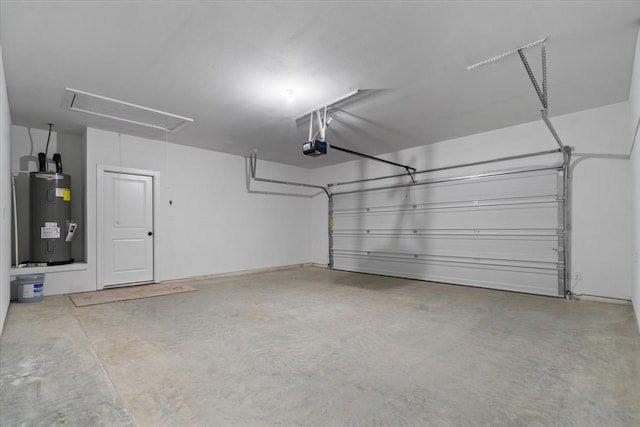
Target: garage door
502	230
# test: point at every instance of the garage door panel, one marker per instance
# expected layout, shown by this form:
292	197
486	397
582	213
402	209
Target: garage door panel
521	216
530	185
542	281
522	248
507	228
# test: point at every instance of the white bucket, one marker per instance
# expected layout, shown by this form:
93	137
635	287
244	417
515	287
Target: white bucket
30	287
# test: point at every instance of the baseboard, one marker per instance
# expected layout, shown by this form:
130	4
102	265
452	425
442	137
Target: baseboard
602	299
243	272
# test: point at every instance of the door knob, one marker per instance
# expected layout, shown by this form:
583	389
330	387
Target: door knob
150	233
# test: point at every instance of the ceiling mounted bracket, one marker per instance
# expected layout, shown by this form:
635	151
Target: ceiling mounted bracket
323	123
329	104
505	54
315	147
541	92
532	77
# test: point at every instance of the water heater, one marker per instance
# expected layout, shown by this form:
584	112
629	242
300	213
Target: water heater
51	226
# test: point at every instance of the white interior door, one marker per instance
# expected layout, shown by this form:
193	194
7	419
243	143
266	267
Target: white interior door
126	250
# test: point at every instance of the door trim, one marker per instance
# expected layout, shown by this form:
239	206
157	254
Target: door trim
155	179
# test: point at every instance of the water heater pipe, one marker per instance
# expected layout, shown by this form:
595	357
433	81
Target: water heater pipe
46	150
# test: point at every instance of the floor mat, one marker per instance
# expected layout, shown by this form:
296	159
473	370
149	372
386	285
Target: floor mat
128	293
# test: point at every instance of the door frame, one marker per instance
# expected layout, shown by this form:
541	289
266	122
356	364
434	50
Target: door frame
155	183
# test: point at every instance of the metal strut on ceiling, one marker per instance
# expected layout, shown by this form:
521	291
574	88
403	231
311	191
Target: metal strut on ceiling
542	93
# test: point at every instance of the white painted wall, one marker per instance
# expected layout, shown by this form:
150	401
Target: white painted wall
601	204
213	225
5	197
634	100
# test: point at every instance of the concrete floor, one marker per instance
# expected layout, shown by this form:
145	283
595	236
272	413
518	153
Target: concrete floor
313	347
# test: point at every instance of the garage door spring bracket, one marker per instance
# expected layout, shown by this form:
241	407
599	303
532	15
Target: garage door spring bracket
532	77
541	92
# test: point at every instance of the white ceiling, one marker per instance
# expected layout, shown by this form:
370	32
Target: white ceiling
227	66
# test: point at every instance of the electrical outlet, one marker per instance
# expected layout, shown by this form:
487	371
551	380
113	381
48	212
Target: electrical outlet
578	275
